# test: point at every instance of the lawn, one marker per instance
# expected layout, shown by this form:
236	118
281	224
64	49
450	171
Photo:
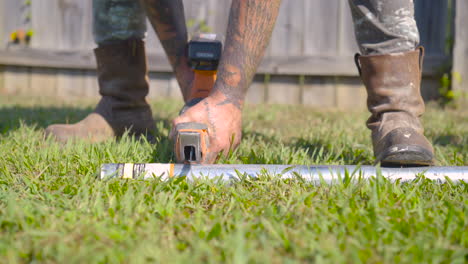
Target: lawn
54	210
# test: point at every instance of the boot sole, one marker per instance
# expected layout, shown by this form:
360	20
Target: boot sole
406	155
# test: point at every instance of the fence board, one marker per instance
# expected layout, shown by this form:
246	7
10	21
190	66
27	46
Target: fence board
153	45
174	90
45	22
284	90
159	85
296	27
152	42
304	28
257	91
87	26
16	79
90	87
319	92
350	93
430	88
2	79
62	25
218	15
288	37
346	39
303	65
70	84
316	91
14	16
72	23
460	61
321	34
279	42
314	38
431	17
3	33
43	82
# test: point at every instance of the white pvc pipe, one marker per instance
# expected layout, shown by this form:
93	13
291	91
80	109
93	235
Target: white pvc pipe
314	174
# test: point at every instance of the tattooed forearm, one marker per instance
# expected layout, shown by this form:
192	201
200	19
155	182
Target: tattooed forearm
168	20
249	30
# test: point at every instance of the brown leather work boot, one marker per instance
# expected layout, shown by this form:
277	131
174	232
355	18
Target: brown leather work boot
123	84
393	87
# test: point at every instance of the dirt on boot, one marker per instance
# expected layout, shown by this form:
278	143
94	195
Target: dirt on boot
393	87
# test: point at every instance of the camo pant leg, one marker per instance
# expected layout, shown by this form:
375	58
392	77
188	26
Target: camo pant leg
117	20
384	26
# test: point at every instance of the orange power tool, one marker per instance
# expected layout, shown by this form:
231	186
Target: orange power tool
191	139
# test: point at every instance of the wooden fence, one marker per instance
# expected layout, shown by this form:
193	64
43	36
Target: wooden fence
460	53
309	60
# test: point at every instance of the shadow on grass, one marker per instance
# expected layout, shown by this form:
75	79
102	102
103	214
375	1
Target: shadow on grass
326	152
259	136
453	140
320	151
11	117
163	152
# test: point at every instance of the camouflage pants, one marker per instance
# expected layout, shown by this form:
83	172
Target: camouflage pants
384	26
117	20
381	26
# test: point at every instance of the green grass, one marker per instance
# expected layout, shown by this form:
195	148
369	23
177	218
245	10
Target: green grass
54	210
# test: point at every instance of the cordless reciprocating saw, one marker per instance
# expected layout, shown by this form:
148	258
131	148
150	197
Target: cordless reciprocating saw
191	139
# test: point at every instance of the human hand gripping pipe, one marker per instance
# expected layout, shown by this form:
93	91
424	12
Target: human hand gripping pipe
313	174
192	143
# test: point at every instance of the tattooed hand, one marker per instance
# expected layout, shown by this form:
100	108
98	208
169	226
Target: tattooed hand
249	30
224	123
